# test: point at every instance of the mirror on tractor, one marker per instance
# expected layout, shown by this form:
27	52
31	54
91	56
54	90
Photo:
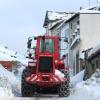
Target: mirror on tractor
29	43
30	55
35	38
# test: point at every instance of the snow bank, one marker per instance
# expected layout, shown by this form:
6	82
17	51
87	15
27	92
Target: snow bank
5	92
77	78
90	87
58	73
9	84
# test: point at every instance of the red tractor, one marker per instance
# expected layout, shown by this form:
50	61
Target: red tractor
45	72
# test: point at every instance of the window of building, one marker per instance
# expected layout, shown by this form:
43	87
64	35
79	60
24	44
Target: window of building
78	31
78	22
70	40
97	64
71	26
74	36
93	68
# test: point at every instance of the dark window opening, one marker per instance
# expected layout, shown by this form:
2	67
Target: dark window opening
93	68
45	65
78	22
97	64
71	26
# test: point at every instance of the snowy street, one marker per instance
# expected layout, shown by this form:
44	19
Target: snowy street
88	90
10	83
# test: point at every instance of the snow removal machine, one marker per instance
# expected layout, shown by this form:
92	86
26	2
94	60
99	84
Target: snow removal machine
46	71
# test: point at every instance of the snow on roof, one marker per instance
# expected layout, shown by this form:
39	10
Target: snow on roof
92	9
57	15
88	11
9	55
95	7
54	17
94	50
55	23
5	50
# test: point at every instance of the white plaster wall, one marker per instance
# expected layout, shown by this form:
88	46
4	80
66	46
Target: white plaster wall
89	30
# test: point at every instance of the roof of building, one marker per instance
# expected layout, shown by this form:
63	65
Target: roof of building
94	52
89	10
95	7
7	54
54	17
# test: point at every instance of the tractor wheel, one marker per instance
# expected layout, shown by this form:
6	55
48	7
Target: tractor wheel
64	90
66	75
26	88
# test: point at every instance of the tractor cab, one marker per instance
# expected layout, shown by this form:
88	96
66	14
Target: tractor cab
44	44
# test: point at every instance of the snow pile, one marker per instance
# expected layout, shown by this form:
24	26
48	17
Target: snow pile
5	92
91	87
77	78
58	73
9	84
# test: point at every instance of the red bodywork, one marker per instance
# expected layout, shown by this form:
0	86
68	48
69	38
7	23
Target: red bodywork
6	64
47	79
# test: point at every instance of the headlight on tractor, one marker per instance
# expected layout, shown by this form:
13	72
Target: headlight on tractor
35	60
56	61
61	61
31	64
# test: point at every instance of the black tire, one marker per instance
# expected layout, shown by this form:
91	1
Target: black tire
64	90
26	88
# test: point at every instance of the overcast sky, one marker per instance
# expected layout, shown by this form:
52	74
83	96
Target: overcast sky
20	19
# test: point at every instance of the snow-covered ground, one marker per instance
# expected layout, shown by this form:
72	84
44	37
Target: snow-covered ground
87	90
77	78
10	86
9	83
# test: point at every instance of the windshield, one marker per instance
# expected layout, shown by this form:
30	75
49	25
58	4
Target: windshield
47	45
